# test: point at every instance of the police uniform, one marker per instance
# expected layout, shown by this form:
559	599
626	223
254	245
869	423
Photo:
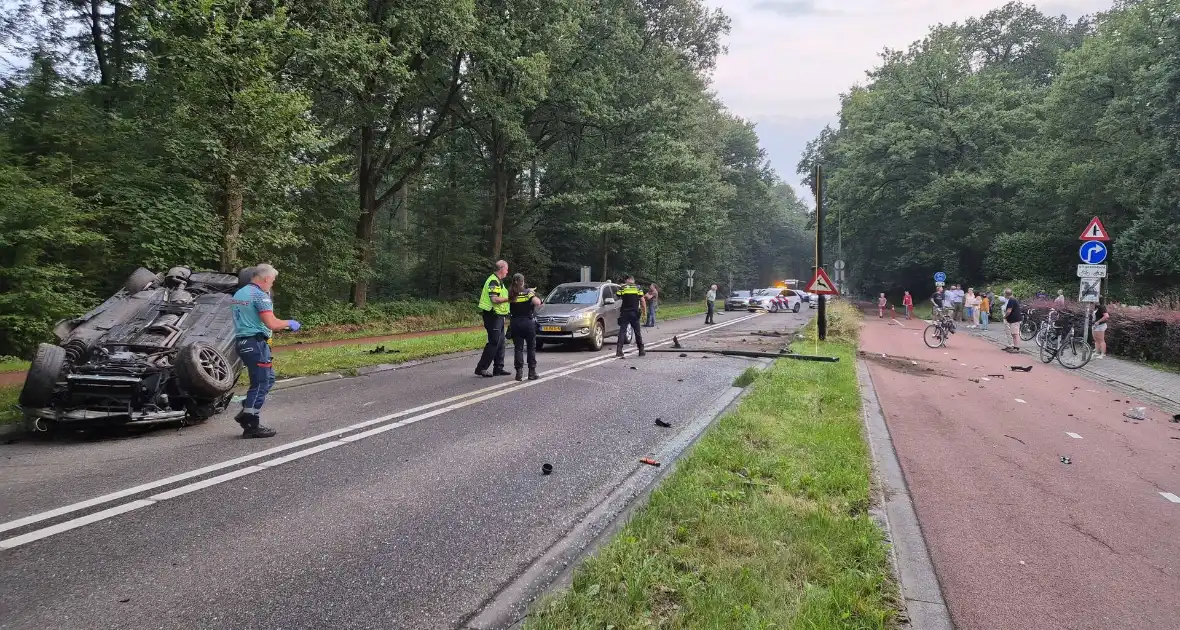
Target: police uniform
630	295
493	322
523	326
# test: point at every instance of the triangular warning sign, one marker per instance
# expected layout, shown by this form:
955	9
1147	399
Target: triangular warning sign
1095	231
821	284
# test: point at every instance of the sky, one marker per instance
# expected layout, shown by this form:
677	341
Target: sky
789	60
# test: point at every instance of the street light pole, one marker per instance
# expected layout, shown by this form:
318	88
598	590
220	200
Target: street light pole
822	324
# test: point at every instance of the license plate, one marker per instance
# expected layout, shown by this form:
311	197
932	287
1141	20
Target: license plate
550	328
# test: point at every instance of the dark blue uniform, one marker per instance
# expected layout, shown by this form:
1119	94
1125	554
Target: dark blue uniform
630	296
523	326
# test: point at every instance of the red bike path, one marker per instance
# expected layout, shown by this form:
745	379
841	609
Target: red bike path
1019	538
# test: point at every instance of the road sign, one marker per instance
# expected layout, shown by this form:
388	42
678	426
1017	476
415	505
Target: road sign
690	272
940	284
690	282
1092	253
940	277
839	276
1091	271
839	265
821	284
585	277
1095	231
1090	290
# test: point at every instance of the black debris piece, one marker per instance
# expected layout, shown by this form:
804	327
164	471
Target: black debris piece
1176	418
676	342
683	356
663	423
634	368
383	350
1066	460
1020	368
546	469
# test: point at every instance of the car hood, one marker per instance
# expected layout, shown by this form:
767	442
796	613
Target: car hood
563	309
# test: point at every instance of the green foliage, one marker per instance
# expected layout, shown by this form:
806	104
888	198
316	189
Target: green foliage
984	148
380	151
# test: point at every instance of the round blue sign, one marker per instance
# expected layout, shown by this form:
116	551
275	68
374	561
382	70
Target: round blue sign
1093	252
940	277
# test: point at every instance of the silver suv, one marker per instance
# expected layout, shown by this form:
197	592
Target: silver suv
580	312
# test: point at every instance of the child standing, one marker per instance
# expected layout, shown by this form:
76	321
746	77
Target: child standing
908	303
881	302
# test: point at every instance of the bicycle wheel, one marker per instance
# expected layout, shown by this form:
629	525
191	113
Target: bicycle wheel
1028	329
933	336
1042	333
1049	350
1074	354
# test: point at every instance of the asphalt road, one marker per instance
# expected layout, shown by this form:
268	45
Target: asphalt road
412	520
1019	538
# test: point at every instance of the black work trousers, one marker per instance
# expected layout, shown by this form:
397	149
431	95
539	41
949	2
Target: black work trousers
710	308
524	339
493	352
629	319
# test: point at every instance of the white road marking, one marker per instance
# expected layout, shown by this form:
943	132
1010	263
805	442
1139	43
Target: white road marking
1171	497
1073	435
73	524
472	398
1021	401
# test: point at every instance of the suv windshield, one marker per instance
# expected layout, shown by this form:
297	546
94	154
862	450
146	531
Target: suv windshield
573	295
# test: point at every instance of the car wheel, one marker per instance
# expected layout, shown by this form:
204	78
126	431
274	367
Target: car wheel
139	280
796	309
42	376
540	344
596	338
203	371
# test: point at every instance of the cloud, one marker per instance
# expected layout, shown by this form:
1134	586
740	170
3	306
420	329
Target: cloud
790	8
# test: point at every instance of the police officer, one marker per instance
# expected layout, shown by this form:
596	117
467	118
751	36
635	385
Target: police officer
632	300
254	323
523	307
493	306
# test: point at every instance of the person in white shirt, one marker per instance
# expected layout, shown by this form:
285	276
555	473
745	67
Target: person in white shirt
1060	301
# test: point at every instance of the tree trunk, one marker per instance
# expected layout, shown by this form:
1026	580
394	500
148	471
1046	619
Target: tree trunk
365	224
231	214
100	53
499	196
401	224
605	256
117	42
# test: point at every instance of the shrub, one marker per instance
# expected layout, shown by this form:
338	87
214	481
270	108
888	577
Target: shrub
1139	333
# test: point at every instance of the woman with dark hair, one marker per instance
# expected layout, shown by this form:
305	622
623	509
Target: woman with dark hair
523	303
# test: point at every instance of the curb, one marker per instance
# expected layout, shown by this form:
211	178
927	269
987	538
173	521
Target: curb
920	589
554	569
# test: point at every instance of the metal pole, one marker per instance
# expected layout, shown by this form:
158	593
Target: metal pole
822	324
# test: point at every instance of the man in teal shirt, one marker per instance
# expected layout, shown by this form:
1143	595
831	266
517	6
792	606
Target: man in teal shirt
254	323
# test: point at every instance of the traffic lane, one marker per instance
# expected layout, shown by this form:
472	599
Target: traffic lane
41	474
412	528
1020	539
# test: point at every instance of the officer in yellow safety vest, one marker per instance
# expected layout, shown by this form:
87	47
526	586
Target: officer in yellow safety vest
633	300
493	306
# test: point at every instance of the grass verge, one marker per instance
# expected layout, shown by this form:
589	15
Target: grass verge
764	524
348	358
8	396
13	364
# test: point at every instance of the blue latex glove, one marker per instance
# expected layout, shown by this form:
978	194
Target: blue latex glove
294	325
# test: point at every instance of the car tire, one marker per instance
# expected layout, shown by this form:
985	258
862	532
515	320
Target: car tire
796	309
595	341
204	372
139	280
42	377
540	344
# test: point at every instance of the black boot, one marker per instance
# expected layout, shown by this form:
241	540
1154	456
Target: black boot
519	374
245	419
641	352
619	353
533	374
501	372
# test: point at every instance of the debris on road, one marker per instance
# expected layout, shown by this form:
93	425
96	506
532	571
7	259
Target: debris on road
766	333
1136	413
1020	368
383	350
683	355
663	423
1176	418
1066	460
1015	438
973	380
634	368
756	355
676	342
650	462
999	376
546	469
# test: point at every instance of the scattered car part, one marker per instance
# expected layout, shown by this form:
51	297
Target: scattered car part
756	355
662	423
649	461
1020	368
546	469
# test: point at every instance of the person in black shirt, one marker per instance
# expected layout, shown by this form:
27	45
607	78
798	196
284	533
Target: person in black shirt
1012	318
522	308
1101	320
632	298
939	298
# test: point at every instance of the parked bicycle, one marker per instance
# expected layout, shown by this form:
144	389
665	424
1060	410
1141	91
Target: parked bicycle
942	326
1028	325
1060	341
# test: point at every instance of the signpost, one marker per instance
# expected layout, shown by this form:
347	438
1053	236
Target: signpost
585	277
821	324
1093	253
689	273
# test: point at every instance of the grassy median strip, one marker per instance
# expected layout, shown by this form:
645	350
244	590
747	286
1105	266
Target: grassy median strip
764	524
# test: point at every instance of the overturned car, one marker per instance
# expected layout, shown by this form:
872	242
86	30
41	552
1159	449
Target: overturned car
160	350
